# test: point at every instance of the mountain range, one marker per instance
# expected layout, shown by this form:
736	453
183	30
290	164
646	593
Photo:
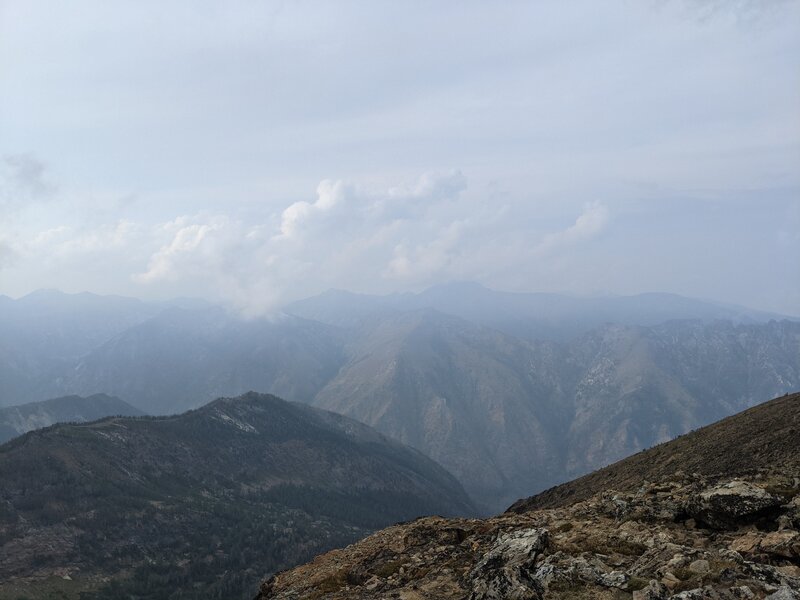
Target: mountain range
533	316
512	393
155	507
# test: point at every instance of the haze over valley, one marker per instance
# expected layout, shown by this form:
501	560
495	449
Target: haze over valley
512	393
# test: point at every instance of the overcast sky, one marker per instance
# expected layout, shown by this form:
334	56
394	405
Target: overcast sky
256	152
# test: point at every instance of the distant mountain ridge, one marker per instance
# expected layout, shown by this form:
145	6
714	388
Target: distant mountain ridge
527	315
44	333
187	357
159	504
16	420
505	415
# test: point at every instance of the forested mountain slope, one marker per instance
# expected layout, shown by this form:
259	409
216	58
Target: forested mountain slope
162	504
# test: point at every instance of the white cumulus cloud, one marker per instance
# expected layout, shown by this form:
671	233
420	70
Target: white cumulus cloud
354	237
590	223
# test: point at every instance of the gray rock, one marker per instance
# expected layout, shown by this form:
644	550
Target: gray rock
729	505
695	594
699	566
617	579
743	592
653	591
506	571
784	593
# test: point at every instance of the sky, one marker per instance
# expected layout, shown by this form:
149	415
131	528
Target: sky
257	152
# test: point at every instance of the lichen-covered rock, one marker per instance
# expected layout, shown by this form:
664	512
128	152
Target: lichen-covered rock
714	593
653	591
784	593
792	514
506	571
616	579
586	550
747	543
699	566
732	504
784	543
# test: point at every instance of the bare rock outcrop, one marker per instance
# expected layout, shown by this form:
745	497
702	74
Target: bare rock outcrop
506	571
642	545
731	504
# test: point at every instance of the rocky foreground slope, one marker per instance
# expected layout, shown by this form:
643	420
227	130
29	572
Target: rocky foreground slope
728	527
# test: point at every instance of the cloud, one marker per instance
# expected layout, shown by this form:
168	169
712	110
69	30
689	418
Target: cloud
745	11
330	195
348	234
7	255
353	236
384	238
428	259
591	222
641	102
23	179
343	205
193	246
67	243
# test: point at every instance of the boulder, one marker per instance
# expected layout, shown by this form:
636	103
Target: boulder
732	504
653	591
505	571
670	580
784	593
700	566
793	513
784	543
615	579
747	543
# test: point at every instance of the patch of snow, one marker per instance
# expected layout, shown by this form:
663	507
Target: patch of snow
225	418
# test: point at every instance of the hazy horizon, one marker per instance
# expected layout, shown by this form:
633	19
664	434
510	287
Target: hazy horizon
257	153
205	301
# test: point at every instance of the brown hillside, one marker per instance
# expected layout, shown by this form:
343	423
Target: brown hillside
764	436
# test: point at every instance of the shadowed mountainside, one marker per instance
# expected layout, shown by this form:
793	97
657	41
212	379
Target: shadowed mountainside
161	504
